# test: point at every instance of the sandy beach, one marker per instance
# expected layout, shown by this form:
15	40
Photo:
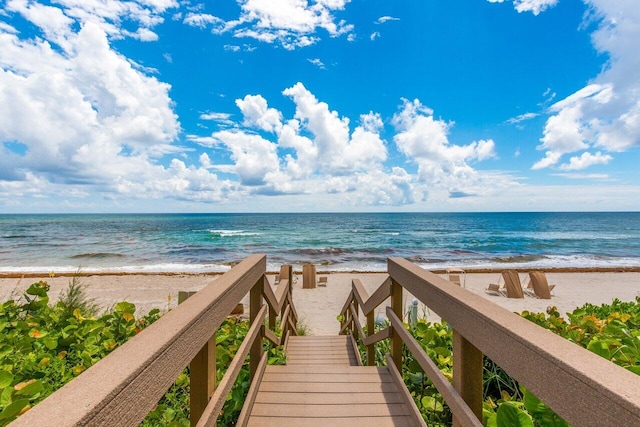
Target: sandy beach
319	307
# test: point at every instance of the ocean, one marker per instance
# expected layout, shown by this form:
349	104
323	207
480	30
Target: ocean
337	242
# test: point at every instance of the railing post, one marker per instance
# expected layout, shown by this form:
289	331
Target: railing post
255	304
202	380
202	373
371	351
272	313
396	306
467	374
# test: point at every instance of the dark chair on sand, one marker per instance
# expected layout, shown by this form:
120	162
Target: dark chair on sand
539	285
512	284
511	287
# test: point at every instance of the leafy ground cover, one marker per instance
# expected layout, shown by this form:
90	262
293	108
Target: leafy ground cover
611	331
43	346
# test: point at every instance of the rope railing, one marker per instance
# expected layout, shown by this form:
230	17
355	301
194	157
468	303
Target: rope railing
126	385
578	385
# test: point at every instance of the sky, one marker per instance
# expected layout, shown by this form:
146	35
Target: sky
319	106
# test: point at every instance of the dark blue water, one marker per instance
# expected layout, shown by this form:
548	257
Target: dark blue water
212	242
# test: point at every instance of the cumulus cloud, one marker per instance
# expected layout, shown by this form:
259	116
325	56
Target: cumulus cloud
334	149
605	114
585	160
314	152
424	140
257	113
85	119
290	23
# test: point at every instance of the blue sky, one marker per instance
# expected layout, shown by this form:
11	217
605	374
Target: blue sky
328	105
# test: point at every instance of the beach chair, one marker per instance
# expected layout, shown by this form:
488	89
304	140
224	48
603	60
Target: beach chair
512	287
512	284
322	281
497	289
538	282
457	276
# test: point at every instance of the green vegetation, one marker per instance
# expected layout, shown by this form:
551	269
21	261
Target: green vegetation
44	346
611	331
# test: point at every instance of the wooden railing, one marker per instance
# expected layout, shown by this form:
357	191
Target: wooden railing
122	388
581	387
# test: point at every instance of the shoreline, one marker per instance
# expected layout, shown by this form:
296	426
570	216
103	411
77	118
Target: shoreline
26	275
318	307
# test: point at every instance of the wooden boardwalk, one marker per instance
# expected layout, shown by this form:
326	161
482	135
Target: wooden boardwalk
324	384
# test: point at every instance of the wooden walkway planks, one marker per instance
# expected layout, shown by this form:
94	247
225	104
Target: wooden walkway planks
323	385
321	350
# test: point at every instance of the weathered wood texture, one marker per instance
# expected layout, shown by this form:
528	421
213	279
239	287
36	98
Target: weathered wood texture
320	386
336	350
578	385
126	385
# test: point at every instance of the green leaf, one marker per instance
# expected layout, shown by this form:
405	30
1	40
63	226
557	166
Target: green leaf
13	409
509	415
6	396
38	289
125	307
600	348
432	404
6	378
31	389
50	342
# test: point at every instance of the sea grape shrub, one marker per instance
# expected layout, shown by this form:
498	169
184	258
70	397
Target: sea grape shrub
43	346
611	330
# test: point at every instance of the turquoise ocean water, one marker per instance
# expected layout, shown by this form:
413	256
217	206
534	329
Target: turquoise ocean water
211	242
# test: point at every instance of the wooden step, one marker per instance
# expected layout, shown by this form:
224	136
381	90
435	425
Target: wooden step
318	350
326	395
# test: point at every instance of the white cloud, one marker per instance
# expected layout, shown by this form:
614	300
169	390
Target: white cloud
374	35
257	113
201	20
384	19
533	6
585	160
424	140
337	151
116	18
606	113
90	122
317	63
290	23
254	156
522	118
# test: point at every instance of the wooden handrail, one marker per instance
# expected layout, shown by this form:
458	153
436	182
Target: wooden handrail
580	386
125	386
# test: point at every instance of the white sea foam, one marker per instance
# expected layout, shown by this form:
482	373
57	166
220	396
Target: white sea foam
233	233
150	268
